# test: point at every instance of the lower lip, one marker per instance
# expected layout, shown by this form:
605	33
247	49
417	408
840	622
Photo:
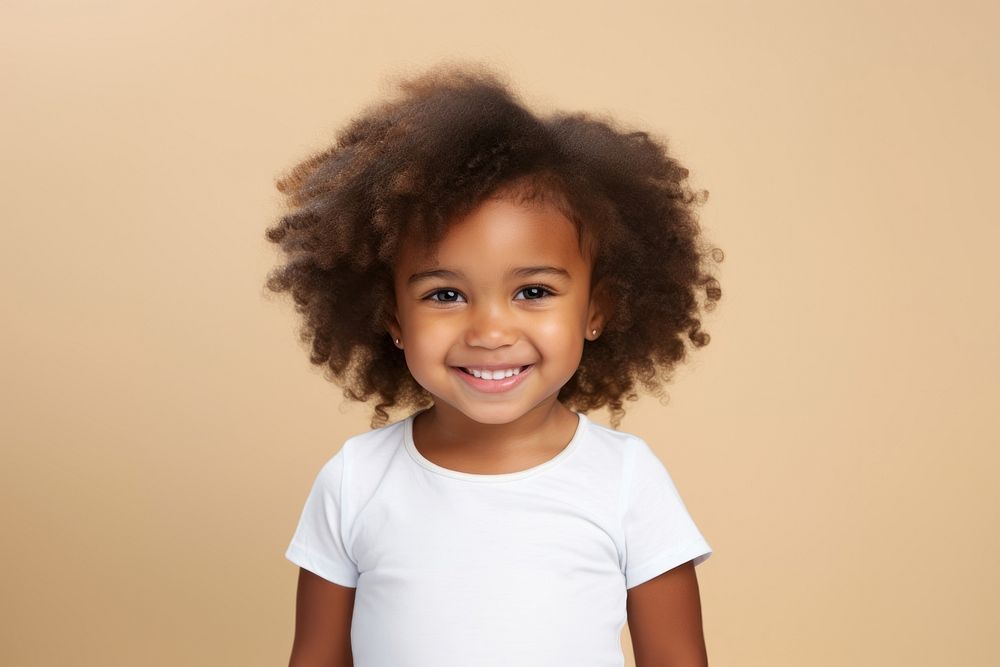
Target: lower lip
493	386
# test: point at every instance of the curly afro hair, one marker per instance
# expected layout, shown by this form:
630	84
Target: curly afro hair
455	136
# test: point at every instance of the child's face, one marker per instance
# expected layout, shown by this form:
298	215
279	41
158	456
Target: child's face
485	314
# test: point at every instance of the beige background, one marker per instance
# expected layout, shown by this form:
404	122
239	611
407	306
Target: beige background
836	442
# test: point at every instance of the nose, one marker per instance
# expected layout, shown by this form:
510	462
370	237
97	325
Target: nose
490	325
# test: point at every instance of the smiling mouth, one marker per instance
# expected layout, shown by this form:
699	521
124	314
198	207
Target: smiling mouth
468	372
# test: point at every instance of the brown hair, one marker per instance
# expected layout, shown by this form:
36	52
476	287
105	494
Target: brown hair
454	137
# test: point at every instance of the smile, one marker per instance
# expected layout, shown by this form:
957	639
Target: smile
505	379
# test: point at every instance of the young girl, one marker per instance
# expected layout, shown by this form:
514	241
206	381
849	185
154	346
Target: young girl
500	274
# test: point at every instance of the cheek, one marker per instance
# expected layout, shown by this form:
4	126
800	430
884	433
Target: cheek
424	365
423	347
427	349
432	333
555	331
559	335
566	323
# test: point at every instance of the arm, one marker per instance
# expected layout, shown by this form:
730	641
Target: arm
323	612
664	620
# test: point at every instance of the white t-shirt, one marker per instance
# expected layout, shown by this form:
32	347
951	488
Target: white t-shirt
524	568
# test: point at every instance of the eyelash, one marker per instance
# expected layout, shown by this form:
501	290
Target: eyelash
548	293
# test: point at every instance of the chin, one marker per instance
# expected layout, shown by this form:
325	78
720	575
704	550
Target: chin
483	412
496	416
499	412
490	414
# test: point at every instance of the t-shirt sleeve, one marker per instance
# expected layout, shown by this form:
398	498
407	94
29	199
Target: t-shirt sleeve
658	530
318	543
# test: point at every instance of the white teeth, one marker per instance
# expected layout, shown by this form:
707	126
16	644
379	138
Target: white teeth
494	375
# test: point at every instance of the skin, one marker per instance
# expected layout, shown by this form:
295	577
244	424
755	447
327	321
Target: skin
482	313
323	612
486	315
664	620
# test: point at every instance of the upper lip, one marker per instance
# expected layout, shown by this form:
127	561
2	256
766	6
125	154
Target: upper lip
493	367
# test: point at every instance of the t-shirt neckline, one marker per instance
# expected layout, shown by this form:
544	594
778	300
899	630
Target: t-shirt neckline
419	458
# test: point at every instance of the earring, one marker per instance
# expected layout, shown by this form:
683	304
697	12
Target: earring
397	341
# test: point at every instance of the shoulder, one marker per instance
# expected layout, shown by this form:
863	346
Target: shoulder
641	468
624	447
372	445
619	457
363	458
606	439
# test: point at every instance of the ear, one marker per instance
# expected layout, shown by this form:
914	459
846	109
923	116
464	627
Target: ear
599	311
392	326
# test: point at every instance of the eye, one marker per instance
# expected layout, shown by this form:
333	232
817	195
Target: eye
538	290
442	291
534	292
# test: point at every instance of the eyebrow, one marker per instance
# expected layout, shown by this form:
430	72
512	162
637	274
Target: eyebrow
520	272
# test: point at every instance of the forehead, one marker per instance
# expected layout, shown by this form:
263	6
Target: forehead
499	232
